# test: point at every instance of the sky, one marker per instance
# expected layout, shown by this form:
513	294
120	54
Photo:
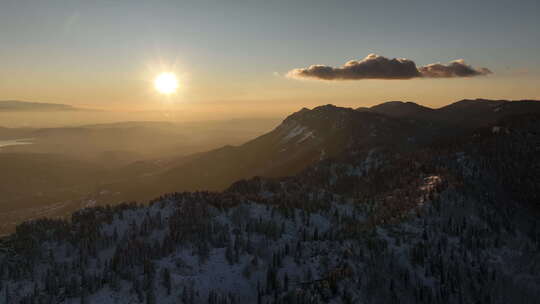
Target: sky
238	56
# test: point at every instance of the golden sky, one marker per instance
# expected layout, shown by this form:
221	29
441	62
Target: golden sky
232	58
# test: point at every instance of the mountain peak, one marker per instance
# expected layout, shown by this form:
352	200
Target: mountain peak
326	107
321	112
402	108
477	101
398	103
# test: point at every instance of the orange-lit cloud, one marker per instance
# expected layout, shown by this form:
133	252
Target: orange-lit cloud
375	66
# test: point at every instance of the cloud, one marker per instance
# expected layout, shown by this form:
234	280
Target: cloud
379	67
456	68
371	67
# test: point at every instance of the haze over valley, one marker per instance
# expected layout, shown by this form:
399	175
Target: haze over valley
56	170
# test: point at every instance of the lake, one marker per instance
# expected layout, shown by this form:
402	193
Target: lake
14	142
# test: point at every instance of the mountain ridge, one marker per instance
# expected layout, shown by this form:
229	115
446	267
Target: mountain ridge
302	139
468	113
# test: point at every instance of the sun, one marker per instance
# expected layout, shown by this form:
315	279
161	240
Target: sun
166	83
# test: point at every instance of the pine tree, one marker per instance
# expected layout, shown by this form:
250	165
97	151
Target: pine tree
150	296
7	293
83	296
166	280
259	292
229	254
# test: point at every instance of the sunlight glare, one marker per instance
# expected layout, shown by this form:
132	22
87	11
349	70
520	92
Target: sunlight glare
166	83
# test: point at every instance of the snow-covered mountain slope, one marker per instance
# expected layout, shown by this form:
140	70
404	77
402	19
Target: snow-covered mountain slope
443	224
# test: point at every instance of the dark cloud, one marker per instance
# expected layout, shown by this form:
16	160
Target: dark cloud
379	67
371	67
456	68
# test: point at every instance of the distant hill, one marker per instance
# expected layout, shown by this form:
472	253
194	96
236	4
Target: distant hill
27	106
465	113
403	109
482	112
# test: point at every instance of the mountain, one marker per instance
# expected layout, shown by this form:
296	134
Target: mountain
403	109
16	106
481	112
452	221
466	113
143	160
302	139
